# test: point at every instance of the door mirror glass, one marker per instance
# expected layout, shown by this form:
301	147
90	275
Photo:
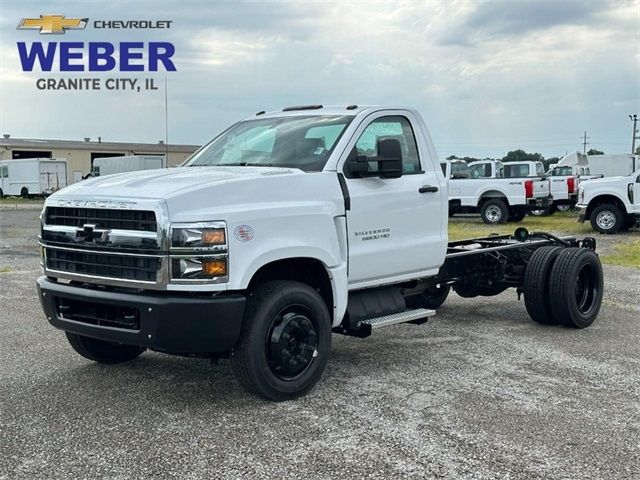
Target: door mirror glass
389	158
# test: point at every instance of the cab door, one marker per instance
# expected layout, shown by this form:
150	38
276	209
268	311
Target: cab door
395	225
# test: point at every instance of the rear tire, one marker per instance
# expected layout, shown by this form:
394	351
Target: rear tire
24	193
431	298
101	351
536	285
607	218
285	341
542	212
576	287
494	211
516	215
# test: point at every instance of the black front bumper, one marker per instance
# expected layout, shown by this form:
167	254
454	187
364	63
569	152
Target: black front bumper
160	321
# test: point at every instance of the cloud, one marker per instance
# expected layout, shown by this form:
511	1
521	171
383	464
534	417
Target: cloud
485	74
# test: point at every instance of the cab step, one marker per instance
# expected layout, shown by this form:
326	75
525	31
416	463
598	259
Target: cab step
412	315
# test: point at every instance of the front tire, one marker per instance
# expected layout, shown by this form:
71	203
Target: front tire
576	287
101	351
607	218
494	211
285	341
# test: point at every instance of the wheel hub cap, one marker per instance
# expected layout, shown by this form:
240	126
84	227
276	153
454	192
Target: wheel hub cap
494	213
293	343
606	220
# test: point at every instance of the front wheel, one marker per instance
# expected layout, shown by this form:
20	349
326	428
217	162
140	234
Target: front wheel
607	218
285	341
101	351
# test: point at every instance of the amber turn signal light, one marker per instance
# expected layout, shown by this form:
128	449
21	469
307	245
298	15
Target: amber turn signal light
214	268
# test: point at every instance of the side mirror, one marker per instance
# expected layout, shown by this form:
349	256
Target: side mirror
389	158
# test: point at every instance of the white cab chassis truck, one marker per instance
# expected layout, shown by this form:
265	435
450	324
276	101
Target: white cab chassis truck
498	200
285	228
611	204
32	176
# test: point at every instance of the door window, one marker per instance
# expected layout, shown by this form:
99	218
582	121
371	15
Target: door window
395	127
4	171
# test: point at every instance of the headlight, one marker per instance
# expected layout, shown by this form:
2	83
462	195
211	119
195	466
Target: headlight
198	236
198	252
194	268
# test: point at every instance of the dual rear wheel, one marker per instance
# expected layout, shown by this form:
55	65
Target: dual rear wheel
563	285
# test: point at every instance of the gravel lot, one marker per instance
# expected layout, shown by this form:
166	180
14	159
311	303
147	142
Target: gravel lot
480	391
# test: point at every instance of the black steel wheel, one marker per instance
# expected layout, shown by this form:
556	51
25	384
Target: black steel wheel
101	351
292	342
431	298
576	287
285	341
536	284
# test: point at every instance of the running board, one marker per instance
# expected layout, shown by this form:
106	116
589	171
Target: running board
402	317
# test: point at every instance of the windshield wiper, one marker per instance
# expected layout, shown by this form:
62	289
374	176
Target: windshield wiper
243	164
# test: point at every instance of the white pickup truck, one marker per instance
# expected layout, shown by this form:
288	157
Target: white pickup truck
611	204
498	200
563	189
286	227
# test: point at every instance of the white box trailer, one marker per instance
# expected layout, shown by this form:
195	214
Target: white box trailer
613	165
32	176
131	163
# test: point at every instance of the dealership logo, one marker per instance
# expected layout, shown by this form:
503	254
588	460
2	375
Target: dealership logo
94	56
56	24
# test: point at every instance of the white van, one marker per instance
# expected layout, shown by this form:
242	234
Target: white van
32	176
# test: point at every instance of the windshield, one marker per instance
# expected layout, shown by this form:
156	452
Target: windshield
294	142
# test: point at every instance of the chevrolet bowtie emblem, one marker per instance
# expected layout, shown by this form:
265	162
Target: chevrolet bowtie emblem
53	23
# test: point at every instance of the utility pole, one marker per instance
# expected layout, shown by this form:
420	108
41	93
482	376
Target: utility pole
584	143
634	118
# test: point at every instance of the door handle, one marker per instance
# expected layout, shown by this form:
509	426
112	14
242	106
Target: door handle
428	189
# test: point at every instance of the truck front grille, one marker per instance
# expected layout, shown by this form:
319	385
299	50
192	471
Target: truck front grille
126	267
99	314
106	218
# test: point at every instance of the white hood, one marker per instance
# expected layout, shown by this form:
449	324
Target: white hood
166	183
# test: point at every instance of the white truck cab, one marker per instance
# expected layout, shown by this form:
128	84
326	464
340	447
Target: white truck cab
284	228
611	204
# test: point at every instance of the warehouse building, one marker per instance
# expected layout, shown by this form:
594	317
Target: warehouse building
81	154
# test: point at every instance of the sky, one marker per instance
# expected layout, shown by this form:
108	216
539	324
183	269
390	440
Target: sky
487	76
